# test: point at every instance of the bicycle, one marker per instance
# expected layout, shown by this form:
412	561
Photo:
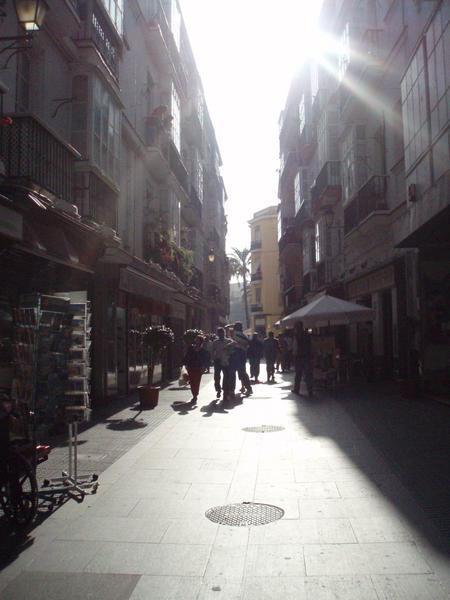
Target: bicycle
18	485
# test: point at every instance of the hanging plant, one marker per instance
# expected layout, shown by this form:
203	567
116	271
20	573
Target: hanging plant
191	334
158	337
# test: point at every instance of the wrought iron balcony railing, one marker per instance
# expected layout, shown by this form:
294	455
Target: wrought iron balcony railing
370	199
255	245
96	30
32	153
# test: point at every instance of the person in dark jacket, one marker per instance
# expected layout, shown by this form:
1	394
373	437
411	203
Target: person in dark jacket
254	354
303	360
195	362
271	349
238	360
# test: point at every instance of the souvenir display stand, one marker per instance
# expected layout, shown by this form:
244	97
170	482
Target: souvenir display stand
52	369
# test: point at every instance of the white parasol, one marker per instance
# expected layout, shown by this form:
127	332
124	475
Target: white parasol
328	310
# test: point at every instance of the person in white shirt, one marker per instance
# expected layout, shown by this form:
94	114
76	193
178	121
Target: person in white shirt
220	353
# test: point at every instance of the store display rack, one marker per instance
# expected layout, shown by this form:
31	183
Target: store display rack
51	352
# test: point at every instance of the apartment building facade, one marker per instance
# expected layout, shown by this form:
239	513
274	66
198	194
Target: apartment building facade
364	198
104	122
265	305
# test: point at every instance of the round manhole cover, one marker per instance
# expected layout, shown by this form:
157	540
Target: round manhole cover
263	428
244	514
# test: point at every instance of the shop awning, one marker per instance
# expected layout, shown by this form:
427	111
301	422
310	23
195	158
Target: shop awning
140	284
434	233
50	243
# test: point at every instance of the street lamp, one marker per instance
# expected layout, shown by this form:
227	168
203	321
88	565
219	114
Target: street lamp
211	255
31	13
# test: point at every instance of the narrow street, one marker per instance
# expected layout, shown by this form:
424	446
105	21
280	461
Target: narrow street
361	479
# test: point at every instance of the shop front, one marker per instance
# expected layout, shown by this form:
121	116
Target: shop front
146	302
429	322
376	343
47	263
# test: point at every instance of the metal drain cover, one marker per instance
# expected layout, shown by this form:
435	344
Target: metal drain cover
244	514
263	428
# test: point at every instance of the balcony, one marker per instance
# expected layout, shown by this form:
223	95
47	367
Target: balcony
256	308
163	44
370	199
373	52
256	276
95	32
33	154
288	166
255	245
309	282
157	143
326	189
177	167
289	237
191	123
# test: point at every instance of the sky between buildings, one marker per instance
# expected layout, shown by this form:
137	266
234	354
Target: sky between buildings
247	52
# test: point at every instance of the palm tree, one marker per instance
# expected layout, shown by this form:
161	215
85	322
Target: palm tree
239	267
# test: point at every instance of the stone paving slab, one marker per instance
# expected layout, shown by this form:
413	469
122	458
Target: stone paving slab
351	529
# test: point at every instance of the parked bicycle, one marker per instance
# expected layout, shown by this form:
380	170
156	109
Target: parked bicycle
18	460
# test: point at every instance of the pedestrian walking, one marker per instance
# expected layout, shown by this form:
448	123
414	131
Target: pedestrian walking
208	348
254	354
289	355
195	363
221	350
303	360
238	360
282	353
271	350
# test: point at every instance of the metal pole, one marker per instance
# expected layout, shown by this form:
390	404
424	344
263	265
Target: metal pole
70	450
75	450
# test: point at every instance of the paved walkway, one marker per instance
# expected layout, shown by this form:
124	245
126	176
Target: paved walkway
351	529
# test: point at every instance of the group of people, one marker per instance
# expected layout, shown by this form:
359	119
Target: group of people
229	354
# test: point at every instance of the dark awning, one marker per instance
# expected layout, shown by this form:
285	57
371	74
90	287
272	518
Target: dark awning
434	233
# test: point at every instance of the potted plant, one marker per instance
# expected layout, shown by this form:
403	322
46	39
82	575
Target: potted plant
157	338
190	335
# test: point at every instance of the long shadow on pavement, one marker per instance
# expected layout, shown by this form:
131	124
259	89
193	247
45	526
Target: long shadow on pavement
411	436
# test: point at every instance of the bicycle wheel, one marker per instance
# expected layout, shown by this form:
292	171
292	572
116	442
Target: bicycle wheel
18	491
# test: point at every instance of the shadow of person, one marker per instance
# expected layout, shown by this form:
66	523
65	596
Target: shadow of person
125	424
216	406
184	408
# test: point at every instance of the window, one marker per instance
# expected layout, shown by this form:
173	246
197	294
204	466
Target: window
175	23
317	239
309	251
80	94
257	233
301	188
114	8
354	161
438	64
175	209
257	295
176	134
105	131
344	54
414	109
